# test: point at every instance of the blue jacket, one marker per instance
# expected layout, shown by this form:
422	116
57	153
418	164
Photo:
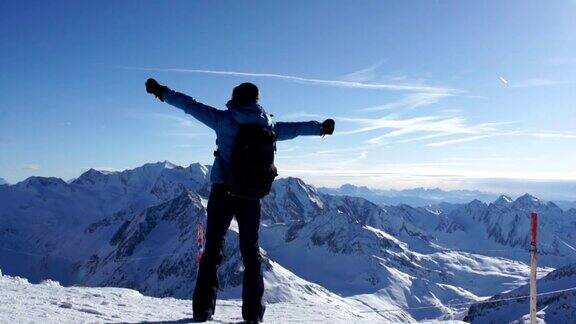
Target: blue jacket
225	124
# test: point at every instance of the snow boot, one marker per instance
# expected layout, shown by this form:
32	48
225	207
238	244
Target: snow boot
201	319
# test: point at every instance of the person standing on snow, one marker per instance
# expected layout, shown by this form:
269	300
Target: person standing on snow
227	196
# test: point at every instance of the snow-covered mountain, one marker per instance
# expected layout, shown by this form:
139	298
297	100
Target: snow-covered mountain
557	304
505	225
137	229
417	197
346	255
50	218
566	205
3	182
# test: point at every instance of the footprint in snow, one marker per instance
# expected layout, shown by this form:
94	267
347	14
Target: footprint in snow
65	305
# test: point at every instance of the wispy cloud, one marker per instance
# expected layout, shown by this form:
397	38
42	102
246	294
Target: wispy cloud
299	115
553	134
371	124
411	139
30	167
413	100
465	139
563	135
363	75
427	128
437	124
183	121
324	82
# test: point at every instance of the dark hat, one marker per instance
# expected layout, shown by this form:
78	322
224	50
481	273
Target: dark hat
245	93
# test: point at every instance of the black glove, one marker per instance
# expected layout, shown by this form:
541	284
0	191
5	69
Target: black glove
327	127
155	88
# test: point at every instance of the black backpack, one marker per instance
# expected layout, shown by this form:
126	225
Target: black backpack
252	169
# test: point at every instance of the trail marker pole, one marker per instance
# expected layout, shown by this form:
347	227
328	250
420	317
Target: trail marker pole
200	242
533	266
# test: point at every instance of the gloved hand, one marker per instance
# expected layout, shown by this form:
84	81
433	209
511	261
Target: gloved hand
327	127
153	87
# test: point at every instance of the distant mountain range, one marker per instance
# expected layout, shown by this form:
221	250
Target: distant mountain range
417	197
421	197
137	229
3	182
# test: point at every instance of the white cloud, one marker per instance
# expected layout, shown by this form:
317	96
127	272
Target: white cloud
413	100
299	115
464	140
371	124
412	139
553	134
564	135
428	127
333	83
31	167
183	121
435	124
363	75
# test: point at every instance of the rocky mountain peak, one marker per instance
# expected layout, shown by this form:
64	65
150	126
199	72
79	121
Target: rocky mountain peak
503	200
527	201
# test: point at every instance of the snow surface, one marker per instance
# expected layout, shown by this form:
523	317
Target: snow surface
49	302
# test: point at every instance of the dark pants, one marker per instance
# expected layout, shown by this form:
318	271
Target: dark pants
221	208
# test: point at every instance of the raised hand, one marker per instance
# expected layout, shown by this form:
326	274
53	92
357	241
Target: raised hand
153	87
327	127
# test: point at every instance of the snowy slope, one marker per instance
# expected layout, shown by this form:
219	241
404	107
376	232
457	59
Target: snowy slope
49	302
558	307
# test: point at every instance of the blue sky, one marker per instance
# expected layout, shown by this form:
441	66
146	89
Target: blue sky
455	94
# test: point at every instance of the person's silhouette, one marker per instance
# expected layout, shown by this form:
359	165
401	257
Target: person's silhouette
243	108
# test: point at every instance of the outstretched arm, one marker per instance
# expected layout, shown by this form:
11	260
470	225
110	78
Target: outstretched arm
204	113
290	130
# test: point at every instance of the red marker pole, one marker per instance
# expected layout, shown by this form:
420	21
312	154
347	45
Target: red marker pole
533	266
200	243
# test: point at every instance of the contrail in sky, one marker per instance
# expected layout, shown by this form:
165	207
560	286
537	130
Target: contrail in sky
334	83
